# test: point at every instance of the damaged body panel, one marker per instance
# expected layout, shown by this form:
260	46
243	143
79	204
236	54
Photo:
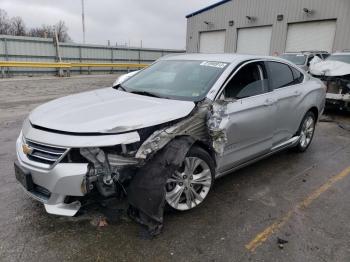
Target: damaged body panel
166	133
336	74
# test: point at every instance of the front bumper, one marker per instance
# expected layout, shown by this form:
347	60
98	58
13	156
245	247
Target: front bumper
61	180
338	101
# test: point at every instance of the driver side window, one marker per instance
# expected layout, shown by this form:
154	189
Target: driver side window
249	81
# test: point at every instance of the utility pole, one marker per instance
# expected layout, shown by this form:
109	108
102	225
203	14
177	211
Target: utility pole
83	19
58	54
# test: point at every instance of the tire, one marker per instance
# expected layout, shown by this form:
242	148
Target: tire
187	188
306	132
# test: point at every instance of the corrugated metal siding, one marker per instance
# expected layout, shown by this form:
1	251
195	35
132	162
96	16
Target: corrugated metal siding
149	55
95	53
68	52
30	48
126	54
265	12
2	48
43	50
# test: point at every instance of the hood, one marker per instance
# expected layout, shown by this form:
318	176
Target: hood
330	68
107	111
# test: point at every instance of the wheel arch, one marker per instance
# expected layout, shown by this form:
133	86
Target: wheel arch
207	148
203	145
315	111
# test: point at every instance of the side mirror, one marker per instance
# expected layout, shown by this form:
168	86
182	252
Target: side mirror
124	77
224	99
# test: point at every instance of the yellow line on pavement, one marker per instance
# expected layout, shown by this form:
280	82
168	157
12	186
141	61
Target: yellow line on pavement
265	234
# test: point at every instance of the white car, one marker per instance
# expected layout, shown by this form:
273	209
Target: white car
303	59
335	72
165	134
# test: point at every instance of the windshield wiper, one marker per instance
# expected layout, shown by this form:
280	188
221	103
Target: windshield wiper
146	93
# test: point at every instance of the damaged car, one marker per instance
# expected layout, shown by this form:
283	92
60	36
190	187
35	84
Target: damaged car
162	137
335	72
303	59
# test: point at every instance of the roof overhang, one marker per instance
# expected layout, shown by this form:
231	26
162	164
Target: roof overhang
207	8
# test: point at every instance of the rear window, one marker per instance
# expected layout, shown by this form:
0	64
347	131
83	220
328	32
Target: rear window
280	75
298	76
298	59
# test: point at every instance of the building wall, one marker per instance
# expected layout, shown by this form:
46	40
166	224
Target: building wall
265	12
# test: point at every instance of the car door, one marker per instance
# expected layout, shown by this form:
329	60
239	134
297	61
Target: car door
251	114
286	83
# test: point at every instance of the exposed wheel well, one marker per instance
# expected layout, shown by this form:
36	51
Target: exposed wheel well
207	148
315	111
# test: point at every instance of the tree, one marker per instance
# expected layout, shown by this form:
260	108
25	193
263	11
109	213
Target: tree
4	23
17	26
62	32
48	31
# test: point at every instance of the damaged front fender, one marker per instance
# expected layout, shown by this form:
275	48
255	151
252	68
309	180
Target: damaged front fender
207	124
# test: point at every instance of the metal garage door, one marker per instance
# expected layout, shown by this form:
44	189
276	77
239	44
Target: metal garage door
254	40
311	36
212	42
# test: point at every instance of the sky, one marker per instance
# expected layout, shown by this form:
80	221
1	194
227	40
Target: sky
158	23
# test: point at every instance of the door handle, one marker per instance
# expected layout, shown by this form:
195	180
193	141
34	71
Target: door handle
269	102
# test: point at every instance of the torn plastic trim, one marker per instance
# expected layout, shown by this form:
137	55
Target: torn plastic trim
146	192
206	124
217	124
193	126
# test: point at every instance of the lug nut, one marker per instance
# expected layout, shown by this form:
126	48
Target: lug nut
184	177
185	188
191	177
191	185
180	184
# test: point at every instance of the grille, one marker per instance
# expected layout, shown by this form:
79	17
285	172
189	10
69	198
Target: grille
45	154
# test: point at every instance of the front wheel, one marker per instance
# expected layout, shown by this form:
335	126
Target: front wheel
306	131
190	184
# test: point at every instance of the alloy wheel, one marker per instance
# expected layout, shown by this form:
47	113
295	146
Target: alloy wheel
189	185
307	131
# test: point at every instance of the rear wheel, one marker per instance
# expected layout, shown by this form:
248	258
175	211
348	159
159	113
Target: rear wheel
306	131
190	184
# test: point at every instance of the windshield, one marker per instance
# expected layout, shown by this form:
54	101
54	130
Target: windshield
341	58
176	79
297	59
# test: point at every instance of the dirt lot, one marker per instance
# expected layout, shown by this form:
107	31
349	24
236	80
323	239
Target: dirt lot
301	198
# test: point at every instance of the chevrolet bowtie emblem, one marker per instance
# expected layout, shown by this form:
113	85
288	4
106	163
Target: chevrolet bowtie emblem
26	149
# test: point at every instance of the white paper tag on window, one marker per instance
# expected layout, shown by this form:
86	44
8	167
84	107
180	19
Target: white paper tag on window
213	64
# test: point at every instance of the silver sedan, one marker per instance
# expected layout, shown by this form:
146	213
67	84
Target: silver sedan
220	113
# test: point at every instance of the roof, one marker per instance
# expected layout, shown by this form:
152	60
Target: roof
307	52
207	8
225	58
342	53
